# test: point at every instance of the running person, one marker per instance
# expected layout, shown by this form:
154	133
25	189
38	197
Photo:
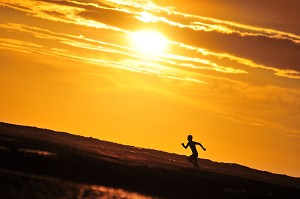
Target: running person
194	157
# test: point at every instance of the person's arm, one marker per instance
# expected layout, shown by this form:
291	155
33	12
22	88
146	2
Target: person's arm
204	149
186	145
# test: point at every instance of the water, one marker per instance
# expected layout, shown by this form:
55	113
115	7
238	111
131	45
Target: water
28	185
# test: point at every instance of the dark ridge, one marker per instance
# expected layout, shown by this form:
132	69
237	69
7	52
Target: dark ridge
74	160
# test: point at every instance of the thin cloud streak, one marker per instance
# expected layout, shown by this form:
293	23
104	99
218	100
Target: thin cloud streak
65	14
280	72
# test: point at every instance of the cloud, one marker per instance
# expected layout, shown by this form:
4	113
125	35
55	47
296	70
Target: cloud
95	45
251	42
247	62
223	46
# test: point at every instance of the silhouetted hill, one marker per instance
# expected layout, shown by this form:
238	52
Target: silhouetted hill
30	151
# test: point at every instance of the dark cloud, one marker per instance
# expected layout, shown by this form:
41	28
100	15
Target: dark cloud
276	14
77	4
112	17
55	14
282	54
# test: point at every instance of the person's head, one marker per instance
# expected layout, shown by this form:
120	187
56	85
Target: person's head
190	138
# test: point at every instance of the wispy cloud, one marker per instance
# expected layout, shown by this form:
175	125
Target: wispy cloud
280	72
94	45
189	61
201	23
70	12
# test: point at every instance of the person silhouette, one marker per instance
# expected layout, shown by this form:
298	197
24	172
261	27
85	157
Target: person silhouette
194	157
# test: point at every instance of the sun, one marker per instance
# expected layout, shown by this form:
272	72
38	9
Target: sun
149	41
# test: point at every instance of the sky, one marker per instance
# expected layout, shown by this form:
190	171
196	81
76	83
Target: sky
149	73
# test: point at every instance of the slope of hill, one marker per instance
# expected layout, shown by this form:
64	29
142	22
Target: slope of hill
38	162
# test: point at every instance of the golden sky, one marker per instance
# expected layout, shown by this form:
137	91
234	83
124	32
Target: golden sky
148	73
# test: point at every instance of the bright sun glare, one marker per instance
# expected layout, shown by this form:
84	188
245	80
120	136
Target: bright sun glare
149	41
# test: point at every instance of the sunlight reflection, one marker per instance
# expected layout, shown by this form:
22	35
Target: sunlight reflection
109	192
37	152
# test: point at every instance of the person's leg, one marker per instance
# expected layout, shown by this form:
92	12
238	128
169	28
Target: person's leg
190	159
195	161
196	165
